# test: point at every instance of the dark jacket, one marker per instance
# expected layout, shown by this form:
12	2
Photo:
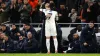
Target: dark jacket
8	46
75	45
37	17
88	36
7	31
20	46
32	30
14	34
31	45
14	14
70	36
25	13
64	18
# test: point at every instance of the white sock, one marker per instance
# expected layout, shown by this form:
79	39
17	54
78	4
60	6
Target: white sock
56	44
48	44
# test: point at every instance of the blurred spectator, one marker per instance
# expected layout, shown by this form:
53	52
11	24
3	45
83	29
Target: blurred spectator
15	33
20	45
73	15
3	12
7	45
33	3
31	44
14	14
37	16
25	12
74	46
73	31
5	30
52	5
63	14
88	39
28	28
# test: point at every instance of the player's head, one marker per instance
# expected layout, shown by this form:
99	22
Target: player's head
47	5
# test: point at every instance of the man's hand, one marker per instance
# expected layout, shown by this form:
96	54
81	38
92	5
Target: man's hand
2	10
85	44
88	10
2	49
60	15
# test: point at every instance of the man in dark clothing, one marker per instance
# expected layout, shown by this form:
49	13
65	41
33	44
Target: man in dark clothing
63	14
31	44
88	39
3	12
15	32
25	12
37	16
74	46
6	30
73	31
20	45
28	28
13	11
7	45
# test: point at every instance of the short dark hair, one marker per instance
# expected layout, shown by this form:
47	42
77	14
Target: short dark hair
27	23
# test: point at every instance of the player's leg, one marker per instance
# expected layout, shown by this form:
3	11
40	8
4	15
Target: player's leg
55	43
48	44
47	34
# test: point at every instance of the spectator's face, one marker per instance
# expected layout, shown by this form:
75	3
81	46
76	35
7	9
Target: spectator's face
2	35
25	1
62	6
73	11
3	5
5	38
19	1
20	37
75	36
3	28
26	27
13	27
91	25
29	35
13	1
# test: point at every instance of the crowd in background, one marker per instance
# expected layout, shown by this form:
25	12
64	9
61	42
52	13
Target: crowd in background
69	11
